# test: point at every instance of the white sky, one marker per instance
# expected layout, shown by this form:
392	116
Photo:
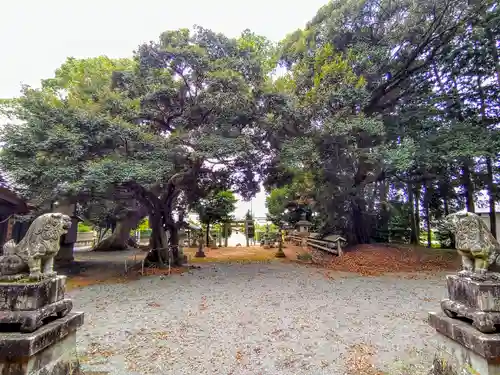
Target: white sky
37	36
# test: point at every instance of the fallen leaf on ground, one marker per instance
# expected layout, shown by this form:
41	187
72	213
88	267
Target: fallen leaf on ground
374	260
359	360
203	304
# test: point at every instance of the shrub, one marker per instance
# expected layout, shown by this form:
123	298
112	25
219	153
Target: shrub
304	257
82	227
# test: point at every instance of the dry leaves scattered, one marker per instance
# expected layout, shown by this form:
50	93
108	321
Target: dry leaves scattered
85	281
373	260
145	353
155	271
238	254
359	360
98	276
203	303
96	351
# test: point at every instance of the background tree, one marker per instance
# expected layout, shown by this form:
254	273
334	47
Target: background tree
362	108
216	209
205	97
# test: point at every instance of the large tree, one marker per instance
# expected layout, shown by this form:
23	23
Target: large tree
365	111
67	125
160	132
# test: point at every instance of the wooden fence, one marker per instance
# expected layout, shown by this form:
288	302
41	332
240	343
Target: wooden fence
332	245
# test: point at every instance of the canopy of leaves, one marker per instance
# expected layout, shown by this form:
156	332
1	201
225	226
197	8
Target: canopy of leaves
384	96
385	109
180	117
217	207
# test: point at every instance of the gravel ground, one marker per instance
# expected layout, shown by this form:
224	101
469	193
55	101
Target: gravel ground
276	318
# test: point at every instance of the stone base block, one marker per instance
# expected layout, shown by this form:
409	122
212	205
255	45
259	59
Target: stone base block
480	295
32	295
51	350
477	301
31	320
29	304
464	350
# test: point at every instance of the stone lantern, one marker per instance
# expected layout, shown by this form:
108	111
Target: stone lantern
303	226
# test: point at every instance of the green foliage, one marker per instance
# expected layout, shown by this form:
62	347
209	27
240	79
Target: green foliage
370	108
306	257
217	207
144	134
220	228
84	227
143	225
386	117
72	138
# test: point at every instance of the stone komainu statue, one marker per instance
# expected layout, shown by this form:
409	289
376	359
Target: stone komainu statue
474	242
36	251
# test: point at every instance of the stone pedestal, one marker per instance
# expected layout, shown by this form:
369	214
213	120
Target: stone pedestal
477	301
28	304
462	349
200	253
51	350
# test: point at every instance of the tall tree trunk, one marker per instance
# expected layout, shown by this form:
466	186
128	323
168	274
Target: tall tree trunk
384	207
174	246
454	101
360	227
246	233
492	196
427	214
207	241
417	212
490	183
225	234
467	185
158	242
120	238
413	223
443	187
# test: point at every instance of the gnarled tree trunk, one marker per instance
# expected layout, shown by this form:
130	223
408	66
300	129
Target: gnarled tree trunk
120	238
165	249
158	241
160	208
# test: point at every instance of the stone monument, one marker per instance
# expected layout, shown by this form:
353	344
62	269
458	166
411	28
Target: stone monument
37	331
468	329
